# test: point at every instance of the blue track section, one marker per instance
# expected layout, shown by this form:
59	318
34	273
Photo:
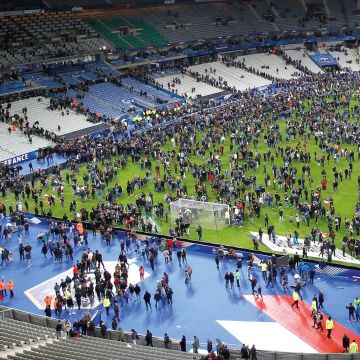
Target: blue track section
196	307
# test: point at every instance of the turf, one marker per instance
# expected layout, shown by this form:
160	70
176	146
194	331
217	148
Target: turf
344	200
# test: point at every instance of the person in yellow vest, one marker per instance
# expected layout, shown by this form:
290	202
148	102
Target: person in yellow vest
11	288
329	325
296	299
353	348
263	266
313	307
106	304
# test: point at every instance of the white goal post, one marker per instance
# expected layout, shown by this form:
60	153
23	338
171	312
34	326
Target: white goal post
209	215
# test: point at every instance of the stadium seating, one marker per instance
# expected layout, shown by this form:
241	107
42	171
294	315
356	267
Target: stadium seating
18	335
49	120
110	93
187	22
148	34
185	87
104	68
96	348
54	34
28	38
15	333
105	32
140	33
41	79
151	91
14	43
52	28
302	55
350	12
17	143
96	105
347	58
5	154
277	66
235	77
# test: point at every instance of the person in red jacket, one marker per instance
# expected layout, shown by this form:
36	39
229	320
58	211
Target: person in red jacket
323	184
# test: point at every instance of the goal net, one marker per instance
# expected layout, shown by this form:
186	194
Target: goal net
212	216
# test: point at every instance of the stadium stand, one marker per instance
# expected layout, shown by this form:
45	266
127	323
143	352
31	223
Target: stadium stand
157	94
22	340
96	105
16	333
41	79
135	33
34	37
236	78
17	143
104	31
38	111
96	348
301	55
119	95
271	64
186	86
347	58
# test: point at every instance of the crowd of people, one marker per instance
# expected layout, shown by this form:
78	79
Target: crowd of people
232	182
310	106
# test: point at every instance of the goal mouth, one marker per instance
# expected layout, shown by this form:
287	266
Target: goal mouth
192	213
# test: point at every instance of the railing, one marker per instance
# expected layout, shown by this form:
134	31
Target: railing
158	342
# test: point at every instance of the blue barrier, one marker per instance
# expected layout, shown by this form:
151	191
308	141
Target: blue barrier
96	318
17	160
10	87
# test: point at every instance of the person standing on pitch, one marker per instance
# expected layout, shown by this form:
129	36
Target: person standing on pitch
253	283
351	309
329	325
147	298
296	299
237	277
319	319
353	348
217	261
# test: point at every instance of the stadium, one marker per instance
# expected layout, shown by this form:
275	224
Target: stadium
180	179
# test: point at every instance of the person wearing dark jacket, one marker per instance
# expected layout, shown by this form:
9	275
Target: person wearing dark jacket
103	329
225	353
58	329
244	352
253	353
346	343
48	311
147	298
167	343
148	338
183	344
351	309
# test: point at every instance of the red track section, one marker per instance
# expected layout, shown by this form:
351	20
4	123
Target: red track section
299	322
